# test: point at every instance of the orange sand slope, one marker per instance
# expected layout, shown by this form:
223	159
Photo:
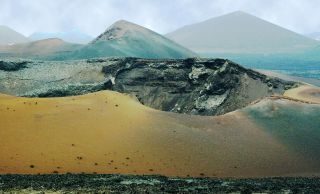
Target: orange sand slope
108	132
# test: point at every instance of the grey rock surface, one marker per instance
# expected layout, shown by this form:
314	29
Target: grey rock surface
52	79
96	183
191	86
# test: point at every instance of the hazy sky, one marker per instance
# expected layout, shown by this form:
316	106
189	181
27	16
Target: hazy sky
94	16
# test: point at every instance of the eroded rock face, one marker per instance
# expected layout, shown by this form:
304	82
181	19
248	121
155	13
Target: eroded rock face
191	86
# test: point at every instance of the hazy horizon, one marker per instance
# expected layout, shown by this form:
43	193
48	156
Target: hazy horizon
93	17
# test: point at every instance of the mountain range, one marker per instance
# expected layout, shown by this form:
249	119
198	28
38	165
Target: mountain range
122	39
234	33
237	32
238	36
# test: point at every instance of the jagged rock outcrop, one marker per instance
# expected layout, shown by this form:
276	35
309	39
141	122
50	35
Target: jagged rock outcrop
191	86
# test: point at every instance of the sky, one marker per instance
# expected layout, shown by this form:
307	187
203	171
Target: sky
94	16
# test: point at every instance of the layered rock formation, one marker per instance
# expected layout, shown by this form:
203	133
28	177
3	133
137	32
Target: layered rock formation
191	86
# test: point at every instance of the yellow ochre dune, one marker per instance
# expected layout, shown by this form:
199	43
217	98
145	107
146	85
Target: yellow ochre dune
109	132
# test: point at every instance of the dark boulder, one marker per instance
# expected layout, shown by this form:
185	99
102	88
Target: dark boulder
12	66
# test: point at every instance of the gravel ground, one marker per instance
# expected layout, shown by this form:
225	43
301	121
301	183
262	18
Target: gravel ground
95	183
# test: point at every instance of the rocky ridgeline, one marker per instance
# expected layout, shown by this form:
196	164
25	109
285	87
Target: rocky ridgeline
191	86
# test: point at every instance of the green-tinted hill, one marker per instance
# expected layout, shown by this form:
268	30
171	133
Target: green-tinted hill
125	39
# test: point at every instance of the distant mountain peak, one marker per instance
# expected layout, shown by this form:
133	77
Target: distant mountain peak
50	40
10	36
73	36
118	30
239	12
123	23
239	32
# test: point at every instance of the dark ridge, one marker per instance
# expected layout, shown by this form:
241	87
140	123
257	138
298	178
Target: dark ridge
12	66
